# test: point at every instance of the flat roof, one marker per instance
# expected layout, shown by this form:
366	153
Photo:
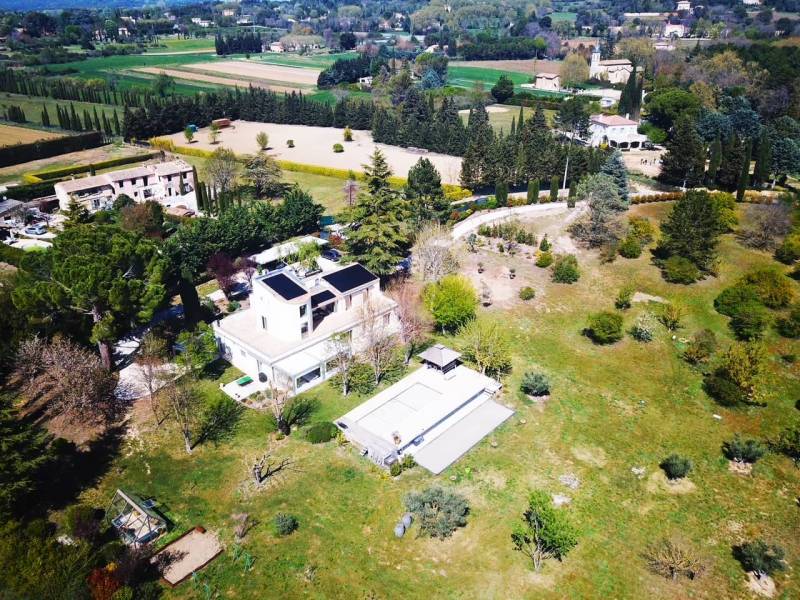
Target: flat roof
349	278
283	286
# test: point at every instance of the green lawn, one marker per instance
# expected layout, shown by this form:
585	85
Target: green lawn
611	408
175	44
33	107
314	61
467	77
502	120
563	16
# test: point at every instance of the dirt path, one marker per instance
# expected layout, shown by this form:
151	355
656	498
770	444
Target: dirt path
472	223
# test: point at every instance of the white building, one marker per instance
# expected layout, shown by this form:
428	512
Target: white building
365	82
614	70
615	131
677	30
549	82
751	2
170	184
284	337
683	5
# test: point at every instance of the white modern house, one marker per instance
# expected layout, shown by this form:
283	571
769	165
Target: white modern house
284	337
615	70
615	131
436	414
169	183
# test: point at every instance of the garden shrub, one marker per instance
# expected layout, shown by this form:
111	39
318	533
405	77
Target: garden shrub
290	143
395	469
439	511
642	229
605	327
724	391
630	247
81	522
676	467
700	348
789	326
321	432
545	244
671	315
624	298
362	378
527	293
760	557
772	287
338	148
535	384
285	524
732	299
749	321
643	329
747	451
789	250
678	269
544	259
788	442
565	269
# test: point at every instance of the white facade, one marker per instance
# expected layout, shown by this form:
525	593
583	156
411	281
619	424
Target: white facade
549	82
170	184
615	131
284	337
683	5
613	71
674	30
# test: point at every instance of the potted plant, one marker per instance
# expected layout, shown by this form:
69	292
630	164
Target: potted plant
480	267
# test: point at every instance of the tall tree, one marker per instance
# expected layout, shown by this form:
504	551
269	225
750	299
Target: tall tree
744	175
379	240
714	160
475	167
684	161
692	229
424	193
573	121
111	275
615	168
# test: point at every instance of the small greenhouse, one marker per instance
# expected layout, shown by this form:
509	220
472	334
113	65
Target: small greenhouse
135	519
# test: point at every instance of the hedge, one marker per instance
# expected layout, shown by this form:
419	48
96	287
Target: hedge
750	197
451	191
77	169
22	153
31	191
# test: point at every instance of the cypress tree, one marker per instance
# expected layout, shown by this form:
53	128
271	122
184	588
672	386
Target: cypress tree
554	188
117	129
501	193
45	116
763	161
533	191
572	188
97	126
87	121
513	132
685	158
714	160
744	176
730	168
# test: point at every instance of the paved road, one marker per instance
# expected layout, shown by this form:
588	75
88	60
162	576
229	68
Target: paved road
472	222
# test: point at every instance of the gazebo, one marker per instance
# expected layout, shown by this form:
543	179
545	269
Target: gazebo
440	357
135	519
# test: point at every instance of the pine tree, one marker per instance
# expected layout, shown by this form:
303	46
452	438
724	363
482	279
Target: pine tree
730	168
379	242
475	168
615	168
714	161
685	159
24	452
744	176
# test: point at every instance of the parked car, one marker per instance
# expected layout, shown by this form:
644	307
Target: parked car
332	254
37	229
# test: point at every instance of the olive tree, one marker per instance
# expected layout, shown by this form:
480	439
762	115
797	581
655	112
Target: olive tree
545	532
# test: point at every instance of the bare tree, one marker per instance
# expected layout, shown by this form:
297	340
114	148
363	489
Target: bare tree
60	378
672	559
266	467
769	224
350	191
413	324
183	408
379	344
341	349
248	267
433	253
151	361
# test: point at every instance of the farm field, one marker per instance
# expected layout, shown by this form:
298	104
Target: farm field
176	44
11	134
259	71
314	146
527	67
611	408
312	61
217	80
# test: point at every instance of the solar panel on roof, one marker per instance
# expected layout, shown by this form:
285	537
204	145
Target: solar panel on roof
321	297
285	287
350	278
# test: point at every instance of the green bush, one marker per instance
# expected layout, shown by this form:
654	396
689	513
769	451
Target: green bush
395	469
338	148
700	347
760	557
565	269
321	432
678	269
748	451
788	442
724	391
439	511
544	259
750	321
605	327
732	299
789	251
527	293
362	378
630	247
285	524
545	244
642	229
290	143
773	288
535	384
789	326
624	298
676	467
81	522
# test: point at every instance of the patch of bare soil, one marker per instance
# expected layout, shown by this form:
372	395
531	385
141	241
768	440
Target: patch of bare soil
658	483
642	297
740	468
591	455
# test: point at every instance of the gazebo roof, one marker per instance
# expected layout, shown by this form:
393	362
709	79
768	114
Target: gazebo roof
439	355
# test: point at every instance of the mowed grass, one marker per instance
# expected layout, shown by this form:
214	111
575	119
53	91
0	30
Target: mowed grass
12	134
312	61
612	408
176	44
467	77
502	120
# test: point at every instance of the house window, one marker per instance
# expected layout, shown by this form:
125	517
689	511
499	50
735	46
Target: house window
348	301
304	330
303	310
263	322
